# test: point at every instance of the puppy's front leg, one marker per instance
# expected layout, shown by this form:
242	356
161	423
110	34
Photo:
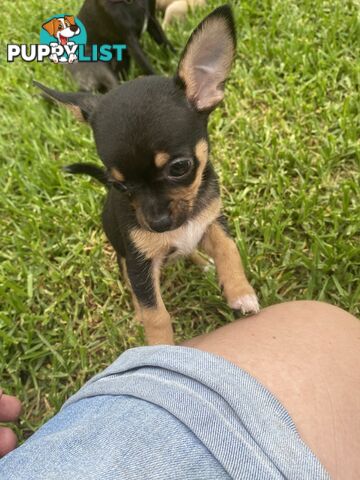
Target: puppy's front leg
238	292
157	33
144	277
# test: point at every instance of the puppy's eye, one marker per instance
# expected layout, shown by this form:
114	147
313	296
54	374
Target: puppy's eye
60	27
179	168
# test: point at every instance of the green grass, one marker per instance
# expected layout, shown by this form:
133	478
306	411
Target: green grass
285	144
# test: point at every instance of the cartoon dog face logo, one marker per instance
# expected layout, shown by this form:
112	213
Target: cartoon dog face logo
62	28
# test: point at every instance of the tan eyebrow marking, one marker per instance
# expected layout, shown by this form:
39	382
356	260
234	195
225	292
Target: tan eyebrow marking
201	151
117	175
161	158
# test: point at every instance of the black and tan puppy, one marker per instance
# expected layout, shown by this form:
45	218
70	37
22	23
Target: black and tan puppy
116	22
163	199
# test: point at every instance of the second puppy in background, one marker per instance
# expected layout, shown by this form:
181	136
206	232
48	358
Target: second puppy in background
114	22
177	9
164	199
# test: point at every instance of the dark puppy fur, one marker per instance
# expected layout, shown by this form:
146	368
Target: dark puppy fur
163	199
116	22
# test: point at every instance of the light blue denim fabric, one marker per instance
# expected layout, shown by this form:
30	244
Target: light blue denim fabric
167	413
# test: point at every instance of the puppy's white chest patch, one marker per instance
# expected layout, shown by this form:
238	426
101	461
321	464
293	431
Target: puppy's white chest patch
189	237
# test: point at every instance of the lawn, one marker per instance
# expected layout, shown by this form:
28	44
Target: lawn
285	144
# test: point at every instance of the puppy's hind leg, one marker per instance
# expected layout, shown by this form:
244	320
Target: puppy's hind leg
204	263
105	78
221	247
93	76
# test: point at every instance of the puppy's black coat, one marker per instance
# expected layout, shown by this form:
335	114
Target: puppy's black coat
116	22
163	198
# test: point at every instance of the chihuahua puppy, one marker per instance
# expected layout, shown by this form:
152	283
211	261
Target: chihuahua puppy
163	198
113	22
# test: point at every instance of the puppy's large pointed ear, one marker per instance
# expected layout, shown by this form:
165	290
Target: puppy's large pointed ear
81	104
206	61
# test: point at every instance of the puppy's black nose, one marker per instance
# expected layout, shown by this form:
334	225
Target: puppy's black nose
74	28
161	224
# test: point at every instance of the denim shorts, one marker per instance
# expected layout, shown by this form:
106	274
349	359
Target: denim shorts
166	413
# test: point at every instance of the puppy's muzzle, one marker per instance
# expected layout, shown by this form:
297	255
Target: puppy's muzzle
161	224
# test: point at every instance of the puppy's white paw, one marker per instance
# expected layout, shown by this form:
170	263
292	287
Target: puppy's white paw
246	304
210	267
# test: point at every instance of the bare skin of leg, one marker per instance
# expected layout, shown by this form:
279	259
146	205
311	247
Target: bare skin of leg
10	409
308	355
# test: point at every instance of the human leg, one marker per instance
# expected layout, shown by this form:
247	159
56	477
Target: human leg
308	355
